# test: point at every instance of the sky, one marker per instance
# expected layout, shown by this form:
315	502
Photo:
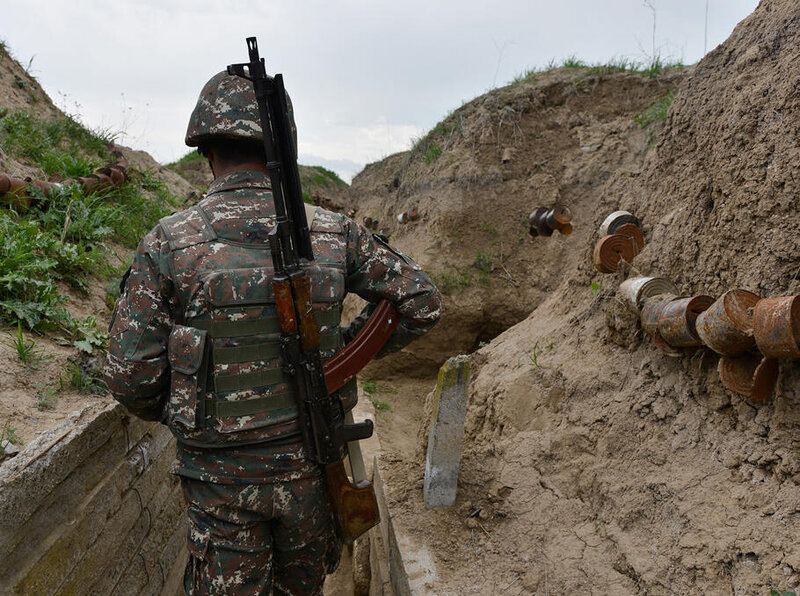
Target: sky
366	77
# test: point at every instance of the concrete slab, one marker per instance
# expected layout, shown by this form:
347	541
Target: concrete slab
443	458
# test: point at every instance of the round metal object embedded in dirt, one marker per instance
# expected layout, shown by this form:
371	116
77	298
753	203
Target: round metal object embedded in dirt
677	324
635	290
633	232
612	250
616	219
727	326
651	312
749	375
776	327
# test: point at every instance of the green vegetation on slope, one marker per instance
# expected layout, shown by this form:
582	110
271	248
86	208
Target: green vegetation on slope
62	237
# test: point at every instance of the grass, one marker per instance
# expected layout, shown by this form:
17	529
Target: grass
371	388
483	263
46	398
449	281
79	379
320	176
656	114
433	145
9	434
190	157
25	348
651	68
63	237
62	146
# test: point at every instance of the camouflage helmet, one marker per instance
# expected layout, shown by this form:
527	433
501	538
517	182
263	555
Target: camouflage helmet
226	109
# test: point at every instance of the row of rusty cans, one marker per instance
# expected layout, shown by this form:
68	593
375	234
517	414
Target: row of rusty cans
16	192
544	221
732	326
621	240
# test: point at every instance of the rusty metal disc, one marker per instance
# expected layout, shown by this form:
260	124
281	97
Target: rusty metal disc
610	251
776	327
749	375
634	232
727	326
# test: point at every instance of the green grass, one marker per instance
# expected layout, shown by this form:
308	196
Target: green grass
656	114
449	281
8	433
46	398
192	156
25	348
319	176
372	388
653	68
63	236
58	147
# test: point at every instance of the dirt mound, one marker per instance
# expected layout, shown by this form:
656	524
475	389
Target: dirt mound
554	137
608	465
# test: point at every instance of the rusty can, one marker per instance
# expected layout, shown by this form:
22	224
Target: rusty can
727	326
635	290
677	324
749	375
651	312
616	219
776	327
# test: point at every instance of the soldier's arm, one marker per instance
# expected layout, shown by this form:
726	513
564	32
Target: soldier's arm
376	271
137	367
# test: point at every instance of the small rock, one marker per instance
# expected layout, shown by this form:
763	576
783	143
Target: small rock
472	523
9	450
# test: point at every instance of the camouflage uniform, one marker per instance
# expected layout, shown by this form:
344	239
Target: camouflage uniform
194	345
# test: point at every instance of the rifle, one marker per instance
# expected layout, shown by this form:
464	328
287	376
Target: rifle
320	414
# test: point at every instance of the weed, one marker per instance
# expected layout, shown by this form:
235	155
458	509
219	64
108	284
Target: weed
596	287
88	336
9	434
370	387
534	358
432	153
778	593
656	114
380	406
448	281
483	263
77	378
573	62
25	348
46	398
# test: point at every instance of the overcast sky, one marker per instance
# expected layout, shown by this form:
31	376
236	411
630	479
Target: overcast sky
365	76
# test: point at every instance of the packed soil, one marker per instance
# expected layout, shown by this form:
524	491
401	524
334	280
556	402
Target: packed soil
593	461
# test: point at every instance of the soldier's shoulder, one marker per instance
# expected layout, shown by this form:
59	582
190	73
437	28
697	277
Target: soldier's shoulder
185	228
329	221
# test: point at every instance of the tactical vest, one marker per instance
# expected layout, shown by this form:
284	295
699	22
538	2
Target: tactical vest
227	381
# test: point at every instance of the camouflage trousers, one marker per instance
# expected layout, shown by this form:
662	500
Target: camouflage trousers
259	538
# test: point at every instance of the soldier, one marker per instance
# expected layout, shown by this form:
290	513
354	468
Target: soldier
194	345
